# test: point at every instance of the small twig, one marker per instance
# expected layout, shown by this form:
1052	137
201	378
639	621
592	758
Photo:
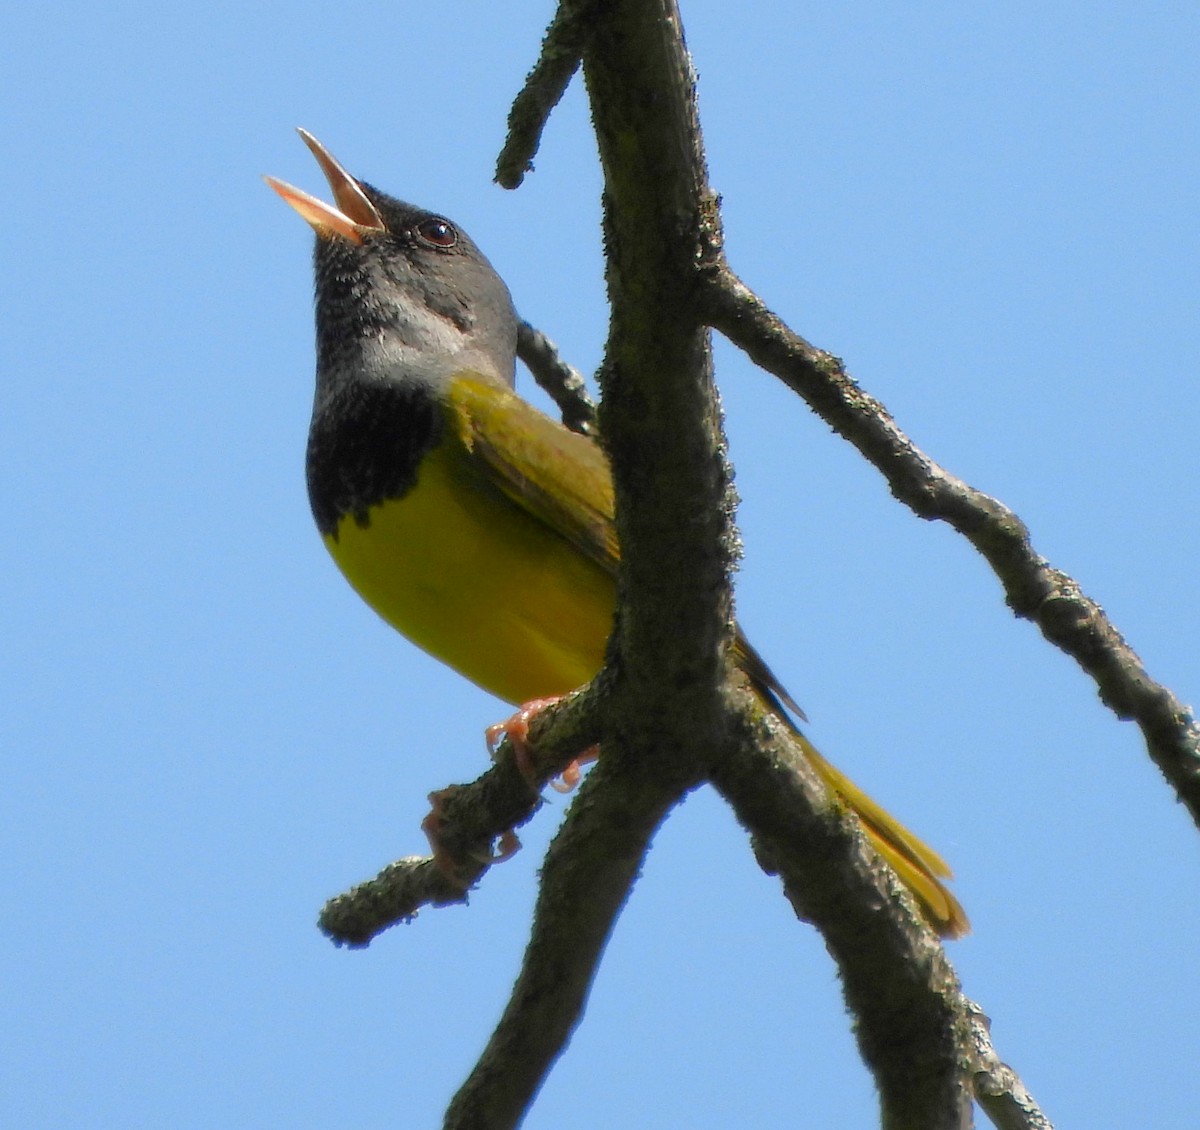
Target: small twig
562	50
565	384
998	1088
587	876
470	819
395	895
1034	589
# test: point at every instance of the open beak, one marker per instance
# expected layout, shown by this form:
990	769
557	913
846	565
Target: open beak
354	215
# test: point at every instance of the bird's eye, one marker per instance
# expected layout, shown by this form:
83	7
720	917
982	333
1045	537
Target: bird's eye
437	233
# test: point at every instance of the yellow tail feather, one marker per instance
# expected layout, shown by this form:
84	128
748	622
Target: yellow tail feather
919	867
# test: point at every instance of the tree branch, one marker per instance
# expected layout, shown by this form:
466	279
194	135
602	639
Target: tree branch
911	1018
661	423
659	416
588	873
468	820
564	383
998	1088
562	49
1034	589
927	1045
395	895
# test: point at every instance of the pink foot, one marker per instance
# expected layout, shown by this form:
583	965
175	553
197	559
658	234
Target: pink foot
516	729
508	846
444	860
571	774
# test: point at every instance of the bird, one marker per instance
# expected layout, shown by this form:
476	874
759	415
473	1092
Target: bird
477	526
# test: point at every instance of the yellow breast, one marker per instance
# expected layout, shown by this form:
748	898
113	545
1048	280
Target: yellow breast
479	583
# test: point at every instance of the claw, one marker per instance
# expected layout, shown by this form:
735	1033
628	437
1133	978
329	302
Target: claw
516	729
508	846
569	777
448	863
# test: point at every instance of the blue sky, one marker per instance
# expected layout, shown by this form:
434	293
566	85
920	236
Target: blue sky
989	215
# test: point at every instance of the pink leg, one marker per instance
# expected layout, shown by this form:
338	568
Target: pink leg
516	729
571	774
508	846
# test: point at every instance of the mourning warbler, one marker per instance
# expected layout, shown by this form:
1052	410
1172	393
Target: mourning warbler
474	524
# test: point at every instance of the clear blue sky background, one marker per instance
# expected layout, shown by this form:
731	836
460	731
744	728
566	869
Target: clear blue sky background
990	215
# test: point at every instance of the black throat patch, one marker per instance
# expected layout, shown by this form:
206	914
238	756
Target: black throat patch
365	446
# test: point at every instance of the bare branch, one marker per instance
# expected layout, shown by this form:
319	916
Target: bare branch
659	417
468	821
998	1089
675	527
587	876
912	1022
562	49
1034	589
393	896
565	384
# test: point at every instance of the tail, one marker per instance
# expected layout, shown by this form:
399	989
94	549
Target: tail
920	868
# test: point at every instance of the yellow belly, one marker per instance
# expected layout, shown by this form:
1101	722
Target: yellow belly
480	584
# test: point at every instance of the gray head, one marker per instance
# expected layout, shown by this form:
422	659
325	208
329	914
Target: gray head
402	294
